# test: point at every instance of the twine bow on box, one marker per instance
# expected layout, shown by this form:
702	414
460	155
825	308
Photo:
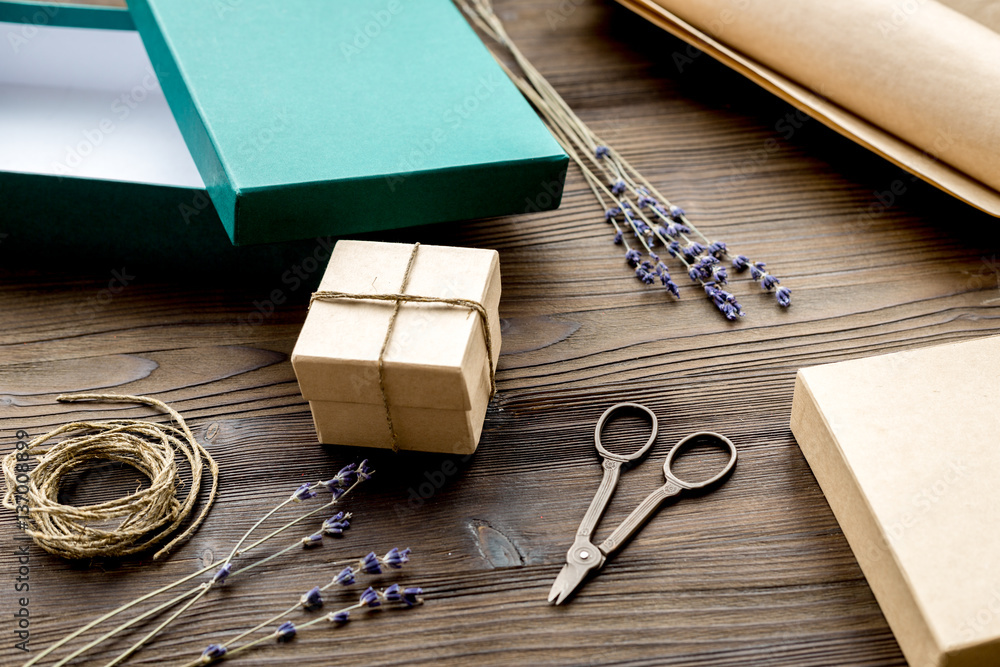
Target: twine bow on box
398	299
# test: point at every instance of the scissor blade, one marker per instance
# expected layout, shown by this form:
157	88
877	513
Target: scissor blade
569	579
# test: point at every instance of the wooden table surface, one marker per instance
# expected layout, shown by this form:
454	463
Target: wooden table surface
757	572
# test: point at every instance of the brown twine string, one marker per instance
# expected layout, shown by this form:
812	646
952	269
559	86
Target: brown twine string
147	516
399	298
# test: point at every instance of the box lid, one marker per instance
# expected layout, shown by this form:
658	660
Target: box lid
905	447
437	352
311	117
32	14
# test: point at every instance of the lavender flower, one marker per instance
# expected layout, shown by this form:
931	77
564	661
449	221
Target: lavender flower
618	238
395	558
370	564
392	594
740	263
223	573
768	281
702	269
337	523
670	285
643	201
674	248
601	152
344	478
757	270
340	616
692	250
212	653
644	275
618	187
411	596
370	598
312	599
720	275
633	257
345	577
285	632
724	301
676	212
364	472
717	249
612	212
784	296
313	540
304	492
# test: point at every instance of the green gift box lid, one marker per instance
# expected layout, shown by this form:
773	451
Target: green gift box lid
312	117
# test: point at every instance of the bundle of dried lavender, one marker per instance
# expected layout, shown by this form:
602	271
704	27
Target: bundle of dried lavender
338	487
633	207
312	600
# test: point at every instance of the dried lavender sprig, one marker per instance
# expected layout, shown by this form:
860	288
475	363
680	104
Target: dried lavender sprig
632	256
201	590
358	477
574	135
305	542
370	599
312	599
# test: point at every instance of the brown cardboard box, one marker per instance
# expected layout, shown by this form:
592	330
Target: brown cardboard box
436	369
906	447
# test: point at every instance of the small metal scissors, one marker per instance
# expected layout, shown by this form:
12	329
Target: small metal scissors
584	557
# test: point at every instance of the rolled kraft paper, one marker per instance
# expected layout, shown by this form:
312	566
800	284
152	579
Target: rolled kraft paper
917	69
986	12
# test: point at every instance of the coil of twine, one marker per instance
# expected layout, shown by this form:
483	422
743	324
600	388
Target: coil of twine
117	527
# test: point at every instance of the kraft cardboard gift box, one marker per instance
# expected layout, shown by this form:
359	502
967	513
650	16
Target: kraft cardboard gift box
906	448
436	366
274	115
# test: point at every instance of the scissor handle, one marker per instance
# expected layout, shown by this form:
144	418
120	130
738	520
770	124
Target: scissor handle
699	436
623	458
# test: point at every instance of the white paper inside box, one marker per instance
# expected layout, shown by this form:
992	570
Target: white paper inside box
435	368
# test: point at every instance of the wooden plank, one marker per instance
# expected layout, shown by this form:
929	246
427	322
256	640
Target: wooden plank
755	573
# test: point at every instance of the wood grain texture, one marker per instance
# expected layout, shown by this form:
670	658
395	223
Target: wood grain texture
757	572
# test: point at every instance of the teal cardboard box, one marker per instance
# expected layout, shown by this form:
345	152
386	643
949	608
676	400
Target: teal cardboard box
312	117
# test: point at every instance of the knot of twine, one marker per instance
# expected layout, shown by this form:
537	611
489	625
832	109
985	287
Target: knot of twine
117	527
398	299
